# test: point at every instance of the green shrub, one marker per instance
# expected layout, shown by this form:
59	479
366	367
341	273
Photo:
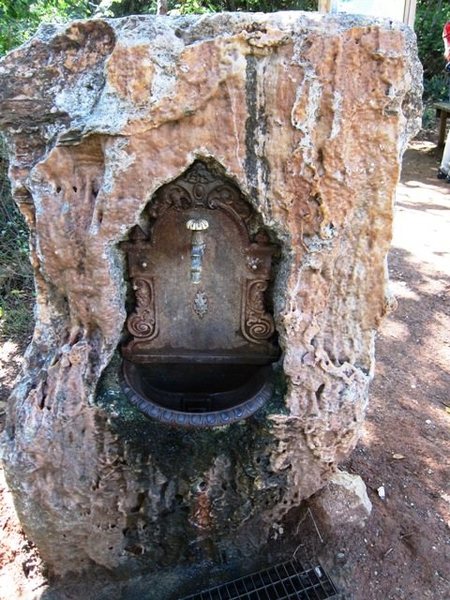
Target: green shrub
127	7
436	88
431	16
16	279
19	19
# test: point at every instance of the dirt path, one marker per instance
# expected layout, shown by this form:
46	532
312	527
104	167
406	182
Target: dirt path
404	550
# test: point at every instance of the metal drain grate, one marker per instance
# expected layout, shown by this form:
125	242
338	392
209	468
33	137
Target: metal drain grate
286	581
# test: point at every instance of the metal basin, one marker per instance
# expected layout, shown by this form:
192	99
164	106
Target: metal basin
197	395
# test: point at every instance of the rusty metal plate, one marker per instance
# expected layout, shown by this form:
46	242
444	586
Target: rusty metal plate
200	268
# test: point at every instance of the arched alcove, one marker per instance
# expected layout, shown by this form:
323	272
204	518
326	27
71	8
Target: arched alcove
201	338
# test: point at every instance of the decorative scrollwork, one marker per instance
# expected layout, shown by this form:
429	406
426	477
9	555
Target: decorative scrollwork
173	196
257	324
222	194
199	173
199	188
221	205
142	322
200	304
254	263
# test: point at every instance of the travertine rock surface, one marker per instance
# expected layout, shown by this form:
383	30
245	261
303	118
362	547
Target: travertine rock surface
309	116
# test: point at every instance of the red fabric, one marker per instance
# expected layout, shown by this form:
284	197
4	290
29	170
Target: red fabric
446	32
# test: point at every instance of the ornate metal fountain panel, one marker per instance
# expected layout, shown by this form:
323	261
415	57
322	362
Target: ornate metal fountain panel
200	270
199	276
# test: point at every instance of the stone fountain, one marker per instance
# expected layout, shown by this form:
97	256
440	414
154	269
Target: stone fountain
210	207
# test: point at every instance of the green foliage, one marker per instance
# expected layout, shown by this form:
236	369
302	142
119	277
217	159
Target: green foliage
245	5
194	7
16	281
429	118
122	8
431	17
20	19
184	7
436	88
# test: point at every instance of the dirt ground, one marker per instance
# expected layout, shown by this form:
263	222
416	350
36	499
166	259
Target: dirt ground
403	552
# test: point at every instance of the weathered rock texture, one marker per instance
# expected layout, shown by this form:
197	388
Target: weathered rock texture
342	502
309	115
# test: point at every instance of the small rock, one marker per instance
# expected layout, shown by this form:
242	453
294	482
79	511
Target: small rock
381	492
343	501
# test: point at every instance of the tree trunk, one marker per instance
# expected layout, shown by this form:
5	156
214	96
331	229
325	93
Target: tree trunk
161	7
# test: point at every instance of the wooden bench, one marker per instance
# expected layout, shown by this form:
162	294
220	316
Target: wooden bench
442	112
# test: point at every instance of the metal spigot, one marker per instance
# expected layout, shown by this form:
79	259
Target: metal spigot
198	246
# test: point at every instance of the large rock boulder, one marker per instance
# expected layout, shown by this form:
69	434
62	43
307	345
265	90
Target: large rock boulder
308	115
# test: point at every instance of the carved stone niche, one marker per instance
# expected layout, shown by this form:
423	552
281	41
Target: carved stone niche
201	337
